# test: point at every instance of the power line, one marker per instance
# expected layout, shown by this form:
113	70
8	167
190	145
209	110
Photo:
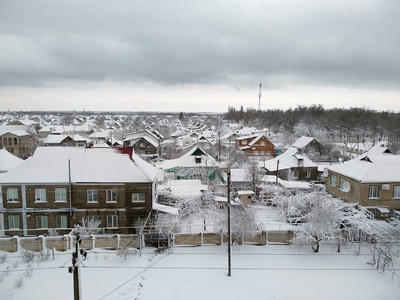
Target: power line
117	288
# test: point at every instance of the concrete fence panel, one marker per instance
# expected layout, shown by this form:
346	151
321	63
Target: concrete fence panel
34	244
280	237
9	244
130	241
106	241
60	243
258	239
187	239
211	239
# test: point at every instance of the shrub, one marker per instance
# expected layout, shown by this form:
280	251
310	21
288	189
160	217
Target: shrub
15	264
19	282
43	256
3	258
27	255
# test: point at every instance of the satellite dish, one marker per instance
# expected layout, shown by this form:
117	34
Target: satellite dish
325	174
346	187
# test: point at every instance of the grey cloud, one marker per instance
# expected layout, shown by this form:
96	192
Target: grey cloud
208	42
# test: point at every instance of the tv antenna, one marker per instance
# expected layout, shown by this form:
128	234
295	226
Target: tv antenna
259	96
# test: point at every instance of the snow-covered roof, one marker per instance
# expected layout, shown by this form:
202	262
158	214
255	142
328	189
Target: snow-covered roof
302	142
8	161
246	131
287	160
79	138
189	160
100	134
239	175
185	188
150	140
371	168
18	130
165	208
228	135
88	165
148	135
376	150
256	139
298	185
55	138
245	192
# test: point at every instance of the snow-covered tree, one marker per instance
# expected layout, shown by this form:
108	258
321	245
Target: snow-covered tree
87	227
328	219
244	222
253	175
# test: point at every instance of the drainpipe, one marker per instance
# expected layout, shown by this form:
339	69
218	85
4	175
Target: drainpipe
2	232
69	187
24	220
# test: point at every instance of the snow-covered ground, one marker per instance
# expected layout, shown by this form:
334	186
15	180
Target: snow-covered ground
278	272
258	272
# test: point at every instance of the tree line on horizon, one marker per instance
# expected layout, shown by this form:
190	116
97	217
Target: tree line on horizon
354	123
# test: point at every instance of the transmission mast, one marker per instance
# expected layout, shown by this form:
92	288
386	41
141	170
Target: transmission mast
259	97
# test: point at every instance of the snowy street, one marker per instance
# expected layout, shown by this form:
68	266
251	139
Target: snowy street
269	272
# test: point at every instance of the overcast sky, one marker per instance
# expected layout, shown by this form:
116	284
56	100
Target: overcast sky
172	55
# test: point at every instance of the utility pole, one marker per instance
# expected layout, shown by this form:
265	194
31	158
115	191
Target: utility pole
277	172
75	269
219	146
229	226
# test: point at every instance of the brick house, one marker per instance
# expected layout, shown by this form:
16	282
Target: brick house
255	145
20	140
58	186
371	181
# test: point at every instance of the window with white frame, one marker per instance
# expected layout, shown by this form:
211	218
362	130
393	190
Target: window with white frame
373	192
61	221
262	143
295	173
138	197
40	195
42	222
334	180
111	195
13	222
244	142
112	221
92	196
256	152
60	195
308	174
396	192
12	195
341	183
93	218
